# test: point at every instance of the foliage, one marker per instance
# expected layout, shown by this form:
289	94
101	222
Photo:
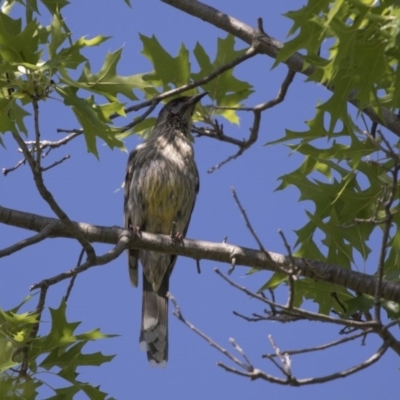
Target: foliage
346	172
38	63
59	351
353	47
37	60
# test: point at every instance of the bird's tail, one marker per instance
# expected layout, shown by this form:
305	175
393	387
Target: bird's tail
133	256
154	328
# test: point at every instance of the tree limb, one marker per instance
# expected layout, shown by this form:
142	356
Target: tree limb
221	252
247	369
270	47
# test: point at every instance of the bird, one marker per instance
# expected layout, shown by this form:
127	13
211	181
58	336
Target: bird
161	185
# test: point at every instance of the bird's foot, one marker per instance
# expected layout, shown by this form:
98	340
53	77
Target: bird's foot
135	230
174	235
177	237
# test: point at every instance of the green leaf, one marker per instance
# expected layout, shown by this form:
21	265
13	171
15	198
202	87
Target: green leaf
330	177
143	128
8	349
226	89
109	109
310	32
17	45
276	279
31	8
65	393
57	36
359	303
55	6
69	57
93	392
108	83
316	131
16	389
168	70
63	351
61	333
320	293
362	41
392	309
12	117
14	332
92	120
73	357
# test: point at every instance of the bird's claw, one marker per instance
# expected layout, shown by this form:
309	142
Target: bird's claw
135	230
177	237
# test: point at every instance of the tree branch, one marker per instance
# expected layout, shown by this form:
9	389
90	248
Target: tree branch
323	346
106	258
48	197
221	252
248	370
254	130
42	235
270	47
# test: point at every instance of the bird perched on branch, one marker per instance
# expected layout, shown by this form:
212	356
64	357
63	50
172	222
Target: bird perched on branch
161	185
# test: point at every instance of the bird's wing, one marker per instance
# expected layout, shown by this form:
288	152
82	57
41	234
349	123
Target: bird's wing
133	255
174	257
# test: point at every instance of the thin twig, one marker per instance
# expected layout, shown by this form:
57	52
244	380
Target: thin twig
248	370
257	111
258	374
38	149
300	312
272	315
283	358
66	157
151	104
99	260
290	272
34	331
48	197
72	281
249	53
324	346
141	118
177	312
198	266
271	47
5	171
42	235
385	239
248	224
242	353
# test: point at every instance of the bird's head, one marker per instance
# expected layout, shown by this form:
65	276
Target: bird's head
178	112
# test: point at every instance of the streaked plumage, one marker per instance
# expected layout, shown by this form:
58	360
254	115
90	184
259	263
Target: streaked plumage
160	190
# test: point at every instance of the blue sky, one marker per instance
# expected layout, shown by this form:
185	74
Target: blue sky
89	191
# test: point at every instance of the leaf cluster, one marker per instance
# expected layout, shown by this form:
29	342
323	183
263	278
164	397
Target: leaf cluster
361	40
59	351
40	62
346	172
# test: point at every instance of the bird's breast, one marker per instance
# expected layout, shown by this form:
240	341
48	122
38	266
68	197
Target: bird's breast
168	189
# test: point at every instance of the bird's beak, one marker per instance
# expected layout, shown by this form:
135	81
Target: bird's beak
193	100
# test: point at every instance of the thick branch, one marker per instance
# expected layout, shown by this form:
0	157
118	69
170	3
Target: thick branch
271	47
221	252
